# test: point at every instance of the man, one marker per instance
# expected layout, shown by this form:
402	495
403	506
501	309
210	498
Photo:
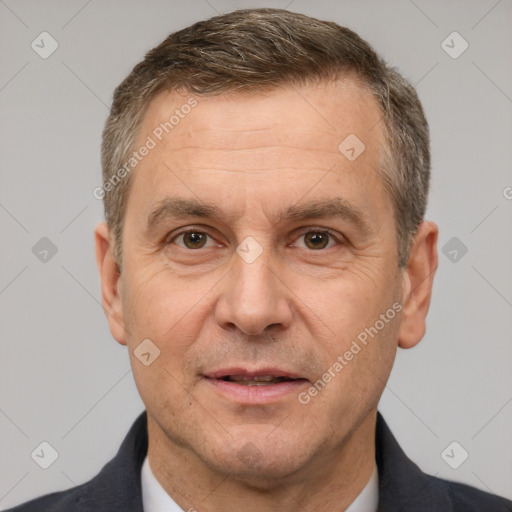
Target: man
264	254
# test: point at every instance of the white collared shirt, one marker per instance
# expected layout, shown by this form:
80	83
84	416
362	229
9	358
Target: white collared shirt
155	499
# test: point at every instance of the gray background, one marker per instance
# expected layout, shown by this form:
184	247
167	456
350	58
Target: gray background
65	381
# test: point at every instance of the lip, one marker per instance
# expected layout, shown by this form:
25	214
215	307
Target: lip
255	395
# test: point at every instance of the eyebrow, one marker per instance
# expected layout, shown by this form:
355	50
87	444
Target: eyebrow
175	207
337	207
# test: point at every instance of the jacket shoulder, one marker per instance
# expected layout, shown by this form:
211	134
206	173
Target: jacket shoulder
116	487
64	501
465	498
403	486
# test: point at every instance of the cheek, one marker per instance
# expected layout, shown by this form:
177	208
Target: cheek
362	313
157	309
357	365
160	307
353	300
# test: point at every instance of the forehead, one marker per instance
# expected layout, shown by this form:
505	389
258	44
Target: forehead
316	117
287	137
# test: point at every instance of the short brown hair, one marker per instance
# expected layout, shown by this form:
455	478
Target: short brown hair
258	49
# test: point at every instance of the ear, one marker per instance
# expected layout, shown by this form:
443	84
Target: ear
418	278
111	291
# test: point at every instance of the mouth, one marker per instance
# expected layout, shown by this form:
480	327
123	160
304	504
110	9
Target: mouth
255	386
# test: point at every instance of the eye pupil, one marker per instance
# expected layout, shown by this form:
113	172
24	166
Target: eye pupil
194	239
315	240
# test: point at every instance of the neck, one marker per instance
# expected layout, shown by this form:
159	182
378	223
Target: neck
330	481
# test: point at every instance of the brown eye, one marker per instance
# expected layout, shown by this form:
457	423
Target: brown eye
316	239
194	239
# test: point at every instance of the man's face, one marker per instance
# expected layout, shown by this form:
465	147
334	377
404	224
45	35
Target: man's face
282	253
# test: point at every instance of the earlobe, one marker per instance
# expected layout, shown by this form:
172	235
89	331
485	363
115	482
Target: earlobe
417	288
111	293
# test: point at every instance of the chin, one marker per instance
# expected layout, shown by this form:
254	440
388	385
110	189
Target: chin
258	461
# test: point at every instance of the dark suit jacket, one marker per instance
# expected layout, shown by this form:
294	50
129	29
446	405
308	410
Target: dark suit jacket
402	486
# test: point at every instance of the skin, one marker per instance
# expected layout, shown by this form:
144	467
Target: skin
296	307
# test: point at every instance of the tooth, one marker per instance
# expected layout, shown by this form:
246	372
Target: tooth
258	383
260	378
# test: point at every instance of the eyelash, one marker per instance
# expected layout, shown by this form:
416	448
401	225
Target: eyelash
323	231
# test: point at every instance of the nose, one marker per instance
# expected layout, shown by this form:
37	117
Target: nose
253	299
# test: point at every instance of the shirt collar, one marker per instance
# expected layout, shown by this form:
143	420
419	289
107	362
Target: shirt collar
368	498
155	499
